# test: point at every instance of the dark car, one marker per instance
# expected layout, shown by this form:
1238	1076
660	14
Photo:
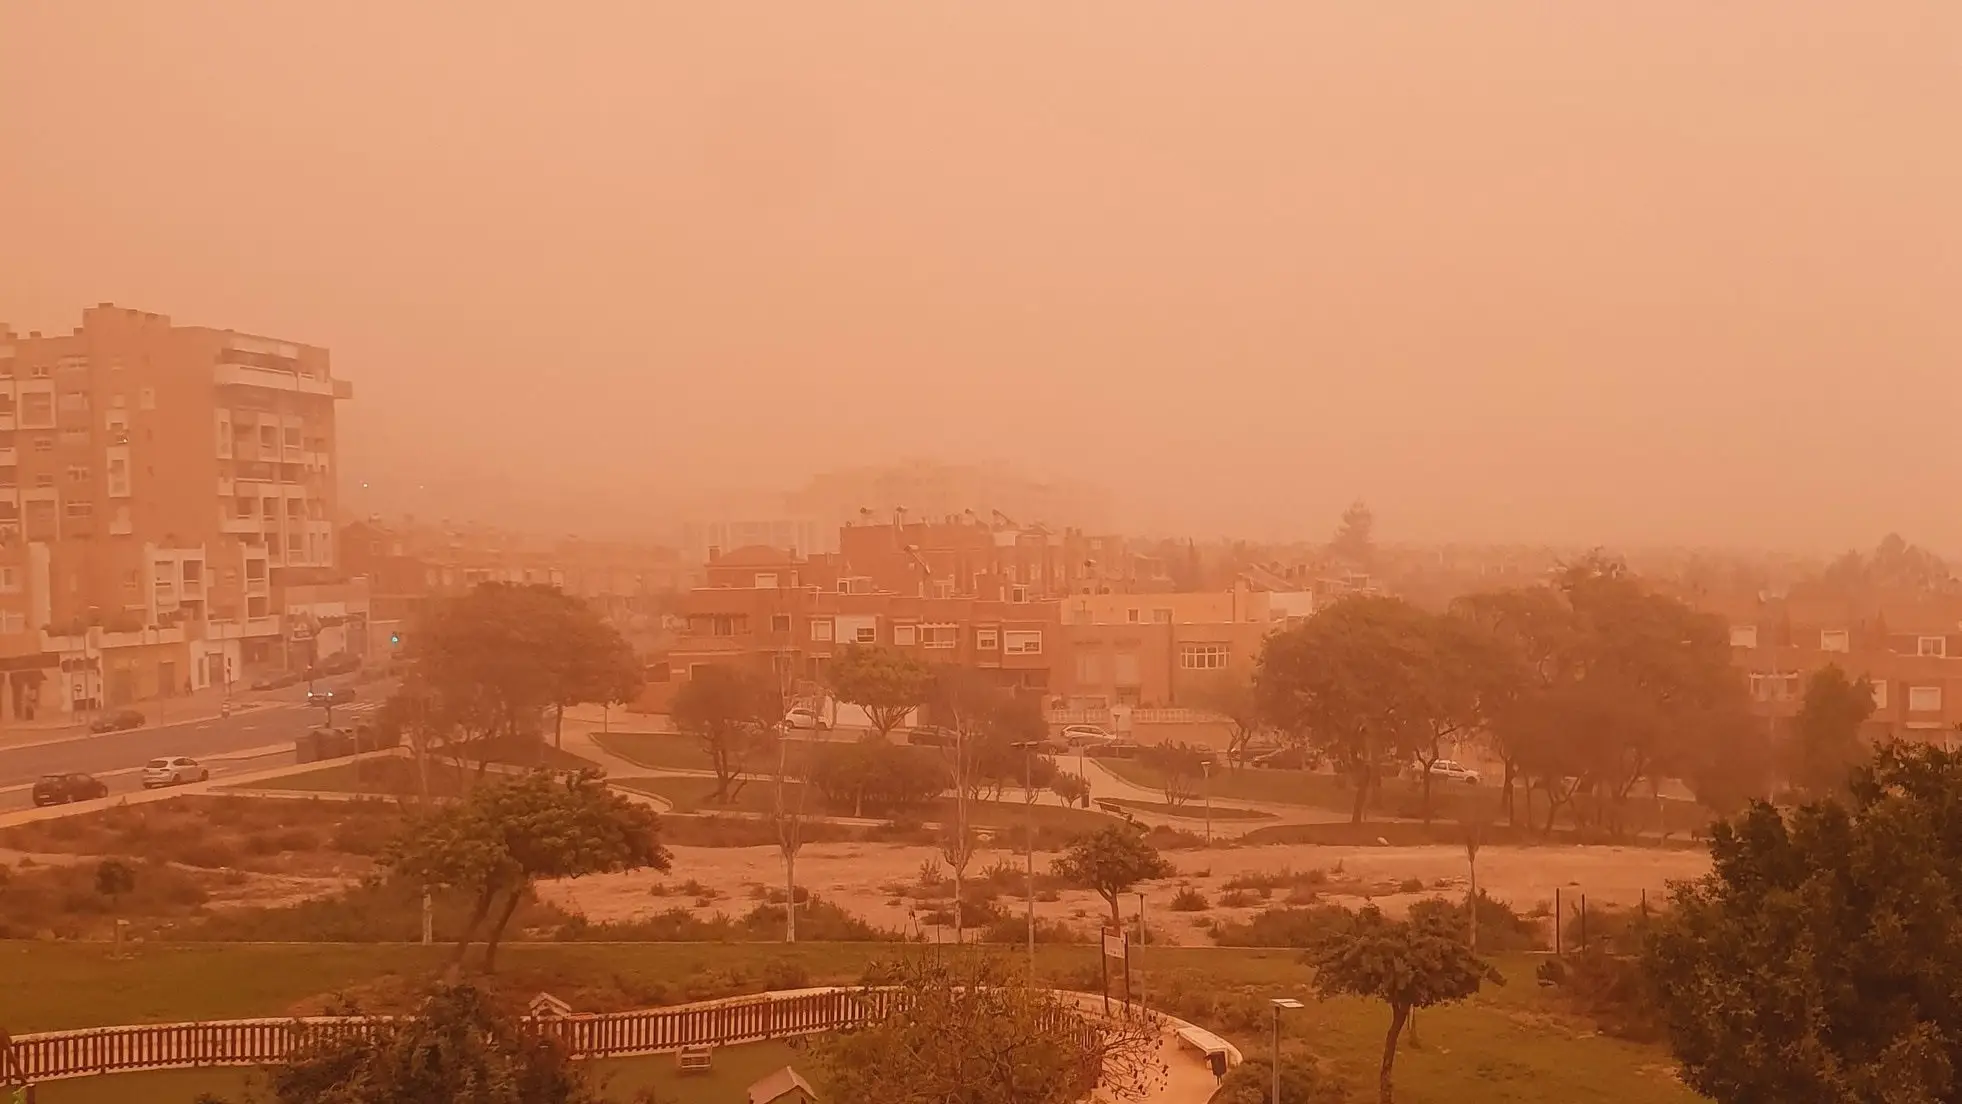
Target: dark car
276	682
931	736
1287	758
340	663
59	789
117	721
331	695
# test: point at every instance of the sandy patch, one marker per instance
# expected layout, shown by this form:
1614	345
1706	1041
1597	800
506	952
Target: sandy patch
863	879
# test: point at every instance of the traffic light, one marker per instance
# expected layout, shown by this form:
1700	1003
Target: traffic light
395	640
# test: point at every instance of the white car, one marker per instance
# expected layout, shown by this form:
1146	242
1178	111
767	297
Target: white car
1085	735
805	717
174	770
1450	771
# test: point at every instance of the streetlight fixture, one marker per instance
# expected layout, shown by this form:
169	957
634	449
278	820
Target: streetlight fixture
1028	840
1279	1003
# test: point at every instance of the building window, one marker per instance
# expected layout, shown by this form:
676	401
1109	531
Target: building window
1202	657
1774	687
44	479
943	588
13	622
1161	617
717	624
865	634
10	579
904	635
1022	642
1018	594
1936	646
79	509
1835	640
939	636
1124	670
43	443
821	629
1743	636
1089	668
1880	693
78	473
766	580
37	409
779	622
1133	615
1924	699
987	640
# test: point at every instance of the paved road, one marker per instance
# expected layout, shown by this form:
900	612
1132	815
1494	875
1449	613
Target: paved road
250	739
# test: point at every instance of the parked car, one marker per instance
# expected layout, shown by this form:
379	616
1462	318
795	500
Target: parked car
117	721
1287	758
1450	771
340	663
931	736
174	770
805	717
1080	735
279	681
59	789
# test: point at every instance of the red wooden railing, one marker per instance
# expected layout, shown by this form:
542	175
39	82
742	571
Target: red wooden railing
53	1055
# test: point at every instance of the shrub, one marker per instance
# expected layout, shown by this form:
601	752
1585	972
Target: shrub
1613	991
1188	899
1302	1082
1236	898
1411	885
210	855
1500	929
1604	927
373	911
1015	930
819	921
1284	878
1283	927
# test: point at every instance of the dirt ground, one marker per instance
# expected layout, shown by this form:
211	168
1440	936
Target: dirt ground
877	881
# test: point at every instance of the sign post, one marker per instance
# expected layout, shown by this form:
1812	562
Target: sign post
1118	946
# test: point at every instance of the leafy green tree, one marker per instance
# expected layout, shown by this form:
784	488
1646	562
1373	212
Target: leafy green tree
1349	683
1181	767
1531	633
507	834
885	682
488	664
972	1030
1111	861
1407	964
1817	960
730	711
1454	674
1302	1081
593	663
1355	540
1826	743
1070	789
459	1047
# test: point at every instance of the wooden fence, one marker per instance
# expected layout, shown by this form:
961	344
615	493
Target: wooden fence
53	1055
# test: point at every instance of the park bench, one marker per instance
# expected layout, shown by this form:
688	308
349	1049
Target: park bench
1114	809
694	1059
1205	1042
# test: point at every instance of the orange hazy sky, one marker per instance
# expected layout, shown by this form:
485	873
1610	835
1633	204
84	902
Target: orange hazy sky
1621	272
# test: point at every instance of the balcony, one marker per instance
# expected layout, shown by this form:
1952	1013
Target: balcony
241	375
239	526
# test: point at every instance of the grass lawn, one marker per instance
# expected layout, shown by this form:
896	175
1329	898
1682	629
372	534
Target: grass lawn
690	794
396	777
670	750
1510	1043
1194	809
736	1068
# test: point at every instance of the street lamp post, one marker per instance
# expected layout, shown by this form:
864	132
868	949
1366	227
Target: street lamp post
1028	842
1206	772
1279	1003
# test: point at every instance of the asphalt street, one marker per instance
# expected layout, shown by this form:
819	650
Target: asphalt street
251	738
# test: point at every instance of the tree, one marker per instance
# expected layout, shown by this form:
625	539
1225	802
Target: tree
1474	824
787	820
1355	541
1816	960
1407	964
1071	789
730	711
113	878
1180	768
506	834
1348	682
1302	1082
459	1046
487	664
1231	695
594	662
885	682
1826	743
1448	701
1530	632
1111	861
970	1030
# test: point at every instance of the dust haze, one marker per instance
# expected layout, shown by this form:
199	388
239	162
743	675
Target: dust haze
1510	271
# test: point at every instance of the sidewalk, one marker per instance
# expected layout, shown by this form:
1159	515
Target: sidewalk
157	712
